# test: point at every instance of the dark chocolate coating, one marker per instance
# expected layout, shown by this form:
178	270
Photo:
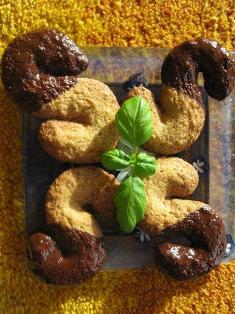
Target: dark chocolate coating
38	66
66	256
183	63
203	246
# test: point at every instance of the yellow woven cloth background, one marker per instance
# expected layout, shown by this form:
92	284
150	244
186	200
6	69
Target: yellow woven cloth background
161	23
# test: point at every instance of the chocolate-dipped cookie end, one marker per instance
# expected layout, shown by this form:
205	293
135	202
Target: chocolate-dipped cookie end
203	249
39	66
65	256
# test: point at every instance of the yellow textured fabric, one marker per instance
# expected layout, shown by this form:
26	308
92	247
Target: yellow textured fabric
121	23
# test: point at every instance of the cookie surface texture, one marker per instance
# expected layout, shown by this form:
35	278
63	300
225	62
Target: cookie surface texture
81	123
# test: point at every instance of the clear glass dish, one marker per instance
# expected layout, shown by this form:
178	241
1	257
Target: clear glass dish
215	149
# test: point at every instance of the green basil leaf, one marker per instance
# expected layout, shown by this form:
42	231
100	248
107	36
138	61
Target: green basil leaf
115	159
130	202
146	165
134	121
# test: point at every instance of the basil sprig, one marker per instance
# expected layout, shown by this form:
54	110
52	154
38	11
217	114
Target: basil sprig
134	123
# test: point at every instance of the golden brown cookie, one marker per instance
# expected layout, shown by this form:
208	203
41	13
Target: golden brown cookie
77	190
176	124
41	70
179	117
80	124
72	250
193	234
174	179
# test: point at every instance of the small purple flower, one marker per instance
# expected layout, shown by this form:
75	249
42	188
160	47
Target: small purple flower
142	235
201	165
230	245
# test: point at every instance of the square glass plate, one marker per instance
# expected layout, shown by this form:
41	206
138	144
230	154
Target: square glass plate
215	148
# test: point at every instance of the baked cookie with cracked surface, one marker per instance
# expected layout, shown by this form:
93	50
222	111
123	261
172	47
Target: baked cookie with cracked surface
193	234
41	70
180	116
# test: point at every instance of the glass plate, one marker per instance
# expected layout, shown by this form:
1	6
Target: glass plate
215	148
